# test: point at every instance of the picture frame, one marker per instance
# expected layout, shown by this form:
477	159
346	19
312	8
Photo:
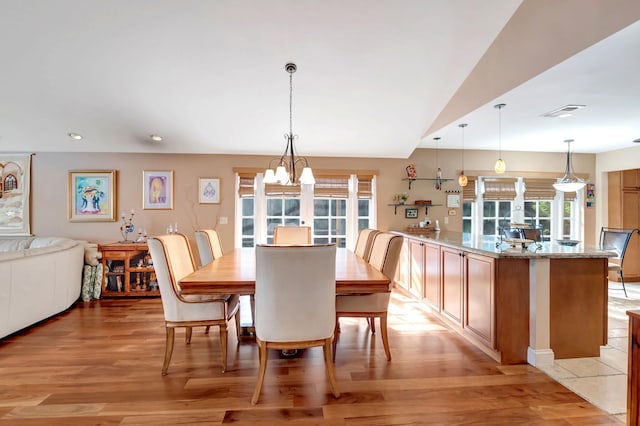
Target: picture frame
15	194
92	195
411	213
157	189
209	190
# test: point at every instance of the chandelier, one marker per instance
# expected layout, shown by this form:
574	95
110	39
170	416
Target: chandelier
289	165
569	182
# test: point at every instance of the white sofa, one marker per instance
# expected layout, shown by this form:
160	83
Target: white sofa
39	277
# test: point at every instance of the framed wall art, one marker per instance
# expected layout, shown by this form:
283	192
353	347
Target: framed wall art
411	213
15	194
92	195
157	189
209	190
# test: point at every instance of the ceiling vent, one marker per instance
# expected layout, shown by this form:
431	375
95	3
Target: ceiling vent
565	111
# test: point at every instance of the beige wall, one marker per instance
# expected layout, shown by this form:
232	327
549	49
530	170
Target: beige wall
50	183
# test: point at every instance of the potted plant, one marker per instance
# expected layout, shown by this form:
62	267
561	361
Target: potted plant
400	198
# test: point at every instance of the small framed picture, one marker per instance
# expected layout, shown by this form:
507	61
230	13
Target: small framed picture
92	195
157	190
209	190
411	213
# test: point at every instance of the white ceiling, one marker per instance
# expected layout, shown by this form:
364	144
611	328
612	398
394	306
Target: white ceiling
208	76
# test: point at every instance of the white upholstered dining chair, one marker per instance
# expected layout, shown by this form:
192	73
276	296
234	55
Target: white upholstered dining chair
384	257
365	243
292	313
173	260
292	235
209	245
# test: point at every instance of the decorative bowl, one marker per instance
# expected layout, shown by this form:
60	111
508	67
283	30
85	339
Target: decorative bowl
567	242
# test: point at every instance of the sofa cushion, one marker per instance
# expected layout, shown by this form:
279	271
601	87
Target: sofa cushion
14	244
52	241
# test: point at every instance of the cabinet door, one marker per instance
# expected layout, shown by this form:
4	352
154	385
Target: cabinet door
416	283
479	317
403	271
452	284
630	179
432	275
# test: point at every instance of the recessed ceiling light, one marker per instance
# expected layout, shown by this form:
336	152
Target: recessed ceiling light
156	138
565	111
75	136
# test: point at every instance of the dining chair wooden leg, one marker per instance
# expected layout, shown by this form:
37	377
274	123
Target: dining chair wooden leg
372	324
385	337
237	321
187	335
168	349
223	346
206	330
329	366
252	302
262	349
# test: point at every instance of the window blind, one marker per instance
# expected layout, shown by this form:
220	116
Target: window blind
246	185
539	189
331	186
277	190
499	189
469	191
365	186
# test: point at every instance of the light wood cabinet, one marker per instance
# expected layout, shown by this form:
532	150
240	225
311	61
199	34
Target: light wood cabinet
416	274
127	270
631	179
624	212
432	275
479	298
419	271
452	281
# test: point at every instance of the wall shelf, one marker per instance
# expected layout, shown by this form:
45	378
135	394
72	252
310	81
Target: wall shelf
426	206
411	180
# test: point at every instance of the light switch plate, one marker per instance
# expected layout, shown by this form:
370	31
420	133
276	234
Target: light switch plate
224	220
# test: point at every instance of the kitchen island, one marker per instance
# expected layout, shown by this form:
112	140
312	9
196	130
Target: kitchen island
517	304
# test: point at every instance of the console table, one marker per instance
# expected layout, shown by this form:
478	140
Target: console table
127	270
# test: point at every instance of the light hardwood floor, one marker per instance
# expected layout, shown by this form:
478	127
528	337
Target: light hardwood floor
99	364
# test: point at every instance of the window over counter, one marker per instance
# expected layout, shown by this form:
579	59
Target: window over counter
337	207
492	203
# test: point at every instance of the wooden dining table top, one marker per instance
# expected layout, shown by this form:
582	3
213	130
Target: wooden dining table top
235	273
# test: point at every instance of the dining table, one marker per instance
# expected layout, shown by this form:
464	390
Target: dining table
235	273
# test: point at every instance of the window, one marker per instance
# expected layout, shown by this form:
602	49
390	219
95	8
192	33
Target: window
248	222
330	221
466	217
281	211
533	201
538	215
566	219
495	216
337	207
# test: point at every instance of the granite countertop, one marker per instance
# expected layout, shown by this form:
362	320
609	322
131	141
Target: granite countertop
487	246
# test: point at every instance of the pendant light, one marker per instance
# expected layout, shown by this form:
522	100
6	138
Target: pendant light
438	183
289	164
462	179
500	166
569	182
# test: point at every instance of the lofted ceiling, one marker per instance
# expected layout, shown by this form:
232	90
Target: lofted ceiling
376	78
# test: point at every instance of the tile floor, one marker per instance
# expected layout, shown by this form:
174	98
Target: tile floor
603	380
